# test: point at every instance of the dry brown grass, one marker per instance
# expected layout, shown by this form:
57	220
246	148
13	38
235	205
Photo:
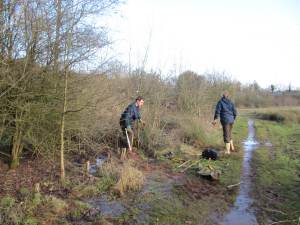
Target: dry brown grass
126	176
131	179
112	169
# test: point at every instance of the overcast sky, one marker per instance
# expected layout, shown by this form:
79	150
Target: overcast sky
249	40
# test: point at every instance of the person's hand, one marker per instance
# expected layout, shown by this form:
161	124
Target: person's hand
214	122
142	122
129	130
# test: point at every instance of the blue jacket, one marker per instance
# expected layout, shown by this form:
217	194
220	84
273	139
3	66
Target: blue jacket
131	113
225	109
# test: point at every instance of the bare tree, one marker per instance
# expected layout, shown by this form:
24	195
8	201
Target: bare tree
41	42
79	42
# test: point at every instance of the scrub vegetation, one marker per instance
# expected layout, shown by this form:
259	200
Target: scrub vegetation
60	108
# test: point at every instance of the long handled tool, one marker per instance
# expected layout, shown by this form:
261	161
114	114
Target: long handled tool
128	141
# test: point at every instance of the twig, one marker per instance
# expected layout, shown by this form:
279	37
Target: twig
188	166
5	154
283	221
183	163
274	210
233	185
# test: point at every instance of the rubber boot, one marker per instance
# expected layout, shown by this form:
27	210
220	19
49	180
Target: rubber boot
231	146
227	148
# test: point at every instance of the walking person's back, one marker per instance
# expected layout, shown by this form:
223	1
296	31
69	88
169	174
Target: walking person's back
225	110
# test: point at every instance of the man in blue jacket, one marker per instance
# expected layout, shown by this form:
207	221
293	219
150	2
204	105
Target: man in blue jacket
225	110
131	113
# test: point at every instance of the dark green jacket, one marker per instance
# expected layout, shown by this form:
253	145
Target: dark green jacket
131	113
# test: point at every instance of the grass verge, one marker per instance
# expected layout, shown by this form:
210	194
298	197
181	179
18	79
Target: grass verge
277	166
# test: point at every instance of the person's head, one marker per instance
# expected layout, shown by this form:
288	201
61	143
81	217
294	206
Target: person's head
226	94
139	101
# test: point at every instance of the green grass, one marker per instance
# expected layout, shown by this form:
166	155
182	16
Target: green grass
285	115
277	171
230	167
175	207
78	210
31	210
240	130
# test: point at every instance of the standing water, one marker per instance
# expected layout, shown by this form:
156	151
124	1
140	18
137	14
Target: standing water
242	213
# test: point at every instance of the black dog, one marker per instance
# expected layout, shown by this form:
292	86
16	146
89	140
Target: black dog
209	154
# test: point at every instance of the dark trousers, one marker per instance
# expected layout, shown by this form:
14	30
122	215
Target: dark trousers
123	141
227	129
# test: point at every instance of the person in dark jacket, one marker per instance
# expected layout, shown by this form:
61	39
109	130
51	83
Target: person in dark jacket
226	111
130	114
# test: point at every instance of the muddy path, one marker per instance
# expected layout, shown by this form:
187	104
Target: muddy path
242	213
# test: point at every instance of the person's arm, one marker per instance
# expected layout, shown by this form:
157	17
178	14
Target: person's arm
138	115
128	116
234	111
217	113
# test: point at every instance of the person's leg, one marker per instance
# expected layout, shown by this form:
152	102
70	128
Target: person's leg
123	143
231	141
226	135
129	138
230	131
123	153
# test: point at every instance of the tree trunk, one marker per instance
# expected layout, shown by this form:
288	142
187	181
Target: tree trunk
62	131
17	145
56	49
2	49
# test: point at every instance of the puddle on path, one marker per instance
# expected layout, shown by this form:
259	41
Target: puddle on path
99	161
242	213
107	207
156	182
